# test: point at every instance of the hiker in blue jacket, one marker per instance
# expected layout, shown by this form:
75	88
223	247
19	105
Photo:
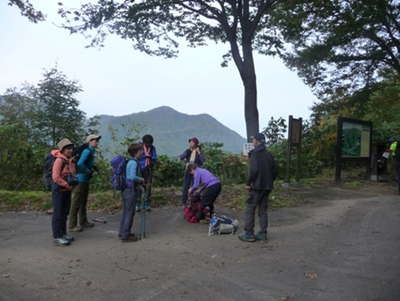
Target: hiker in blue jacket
191	155
129	194
147	161
86	166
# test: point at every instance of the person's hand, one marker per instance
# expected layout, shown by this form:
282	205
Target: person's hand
248	187
68	187
198	150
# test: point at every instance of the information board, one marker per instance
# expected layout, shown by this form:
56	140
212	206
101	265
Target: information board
356	139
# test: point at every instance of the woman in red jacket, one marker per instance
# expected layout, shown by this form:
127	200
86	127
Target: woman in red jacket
63	176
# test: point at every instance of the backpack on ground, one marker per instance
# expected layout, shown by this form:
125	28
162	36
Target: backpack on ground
118	179
222	225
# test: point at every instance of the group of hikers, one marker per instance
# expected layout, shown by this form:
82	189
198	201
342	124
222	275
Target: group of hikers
70	169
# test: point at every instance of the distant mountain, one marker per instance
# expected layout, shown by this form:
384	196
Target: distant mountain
171	130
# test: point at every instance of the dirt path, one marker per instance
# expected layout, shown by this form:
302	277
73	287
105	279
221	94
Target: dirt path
332	250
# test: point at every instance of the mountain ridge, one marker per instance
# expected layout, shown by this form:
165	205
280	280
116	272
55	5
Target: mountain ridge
172	129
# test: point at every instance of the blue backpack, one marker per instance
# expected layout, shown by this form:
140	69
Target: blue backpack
118	179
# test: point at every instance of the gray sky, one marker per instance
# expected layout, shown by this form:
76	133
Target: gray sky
118	80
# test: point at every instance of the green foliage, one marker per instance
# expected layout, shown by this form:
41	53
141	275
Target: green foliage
168	172
275	131
340	45
28	10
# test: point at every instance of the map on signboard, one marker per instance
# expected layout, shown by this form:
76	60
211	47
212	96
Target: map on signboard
356	139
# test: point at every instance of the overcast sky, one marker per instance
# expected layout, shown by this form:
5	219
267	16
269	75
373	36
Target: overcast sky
118	80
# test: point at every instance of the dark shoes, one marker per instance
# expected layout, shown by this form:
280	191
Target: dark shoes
68	238
261	236
88	225
132	238
76	229
247	237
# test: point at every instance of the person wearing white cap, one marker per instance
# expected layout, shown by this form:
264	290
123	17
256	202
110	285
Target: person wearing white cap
86	166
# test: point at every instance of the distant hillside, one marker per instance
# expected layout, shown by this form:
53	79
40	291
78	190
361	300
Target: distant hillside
171	129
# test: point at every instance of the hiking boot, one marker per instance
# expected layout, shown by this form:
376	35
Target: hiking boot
76	229
137	208
68	237
131	238
261	236
247	237
147	206
61	242
88	225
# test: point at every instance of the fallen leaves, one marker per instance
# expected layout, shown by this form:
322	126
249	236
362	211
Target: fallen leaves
311	276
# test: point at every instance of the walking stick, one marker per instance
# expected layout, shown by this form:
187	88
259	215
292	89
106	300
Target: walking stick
143	196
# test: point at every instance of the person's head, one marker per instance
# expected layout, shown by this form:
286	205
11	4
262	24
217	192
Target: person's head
66	147
392	139
192	168
148	140
135	150
258	139
194	143
93	140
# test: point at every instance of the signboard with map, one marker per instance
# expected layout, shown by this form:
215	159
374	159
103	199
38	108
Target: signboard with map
356	140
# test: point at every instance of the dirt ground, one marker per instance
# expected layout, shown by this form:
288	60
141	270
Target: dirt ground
340	245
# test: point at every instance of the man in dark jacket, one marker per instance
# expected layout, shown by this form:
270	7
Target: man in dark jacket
262	173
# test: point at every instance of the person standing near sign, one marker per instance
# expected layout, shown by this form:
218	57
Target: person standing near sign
262	173
395	153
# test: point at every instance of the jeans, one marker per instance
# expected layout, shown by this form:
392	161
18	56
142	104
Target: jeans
128	212
61	204
257	198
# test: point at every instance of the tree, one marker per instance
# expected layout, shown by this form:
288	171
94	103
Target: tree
156	27
275	131
28	10
58	114
340	46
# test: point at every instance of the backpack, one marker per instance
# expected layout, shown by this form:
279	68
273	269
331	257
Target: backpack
222	225
118	179
48	171
78	151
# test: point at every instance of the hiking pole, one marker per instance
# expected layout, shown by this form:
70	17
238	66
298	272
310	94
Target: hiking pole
142	213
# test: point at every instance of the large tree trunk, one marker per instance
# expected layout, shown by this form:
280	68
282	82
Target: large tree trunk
247	72
249	79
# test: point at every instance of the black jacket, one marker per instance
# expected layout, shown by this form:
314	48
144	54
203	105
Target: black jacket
262	169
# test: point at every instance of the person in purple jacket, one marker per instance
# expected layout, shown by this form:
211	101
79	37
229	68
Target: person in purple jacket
212	186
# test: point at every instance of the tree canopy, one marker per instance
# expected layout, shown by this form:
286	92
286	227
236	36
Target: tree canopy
28	10
341	44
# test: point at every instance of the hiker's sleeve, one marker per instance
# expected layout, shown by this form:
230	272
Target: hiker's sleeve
253	170
274	167
154	156
183	155
82	162
196	180
393	147
131	172
202	159
56	173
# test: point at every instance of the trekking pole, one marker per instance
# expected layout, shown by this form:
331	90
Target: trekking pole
143	214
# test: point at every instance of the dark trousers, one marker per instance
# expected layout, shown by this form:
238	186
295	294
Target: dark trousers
209	195
257	198
128	212
78	214
61	204
147	174
397	167
187	182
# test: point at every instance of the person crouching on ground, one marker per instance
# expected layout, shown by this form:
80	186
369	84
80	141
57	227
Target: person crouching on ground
63	176
262	173
211	184
147	161
86	167
130	193
192	155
